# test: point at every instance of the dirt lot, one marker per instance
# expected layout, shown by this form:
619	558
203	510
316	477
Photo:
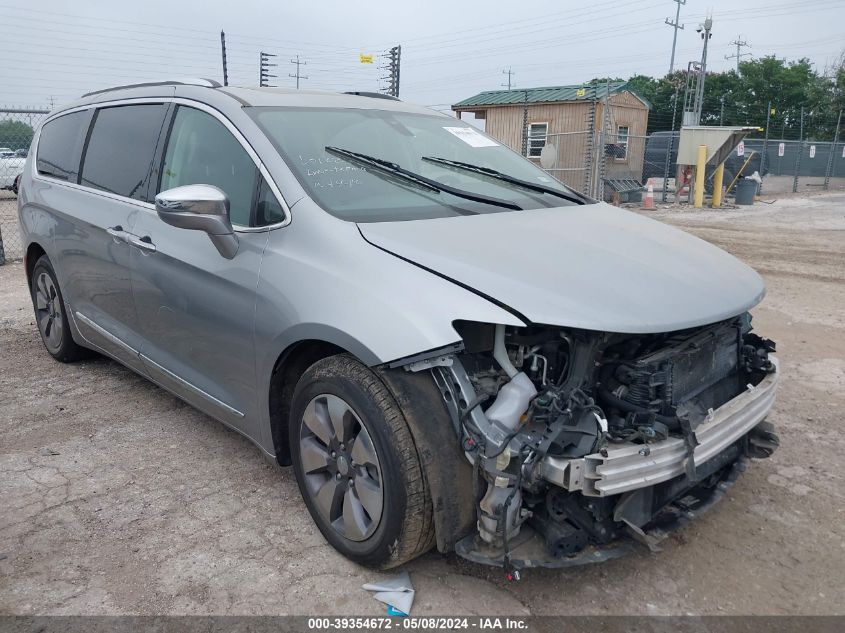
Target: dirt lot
117	498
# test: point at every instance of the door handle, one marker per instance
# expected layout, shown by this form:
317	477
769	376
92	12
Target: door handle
144	243
117	233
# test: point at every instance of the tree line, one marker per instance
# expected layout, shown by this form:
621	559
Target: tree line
15	134
770	85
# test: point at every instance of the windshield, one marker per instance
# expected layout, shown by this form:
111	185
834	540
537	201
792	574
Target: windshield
351	190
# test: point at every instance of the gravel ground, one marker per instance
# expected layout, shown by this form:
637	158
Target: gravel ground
116	498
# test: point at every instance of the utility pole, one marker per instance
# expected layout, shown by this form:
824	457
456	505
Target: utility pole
394	59
739	43
297	75
264	69
223	51
722	110
509	73
675	25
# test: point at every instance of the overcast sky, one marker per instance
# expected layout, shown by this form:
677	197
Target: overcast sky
450	50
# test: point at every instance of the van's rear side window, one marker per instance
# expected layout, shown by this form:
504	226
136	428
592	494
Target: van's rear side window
121	147
60	144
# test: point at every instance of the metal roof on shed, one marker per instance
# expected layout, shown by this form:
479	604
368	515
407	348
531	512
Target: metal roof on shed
549	94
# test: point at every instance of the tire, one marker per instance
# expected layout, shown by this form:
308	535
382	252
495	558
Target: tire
51	316
347	436
16	184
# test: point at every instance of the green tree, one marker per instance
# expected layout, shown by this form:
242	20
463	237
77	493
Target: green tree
788	86
15	134
744	98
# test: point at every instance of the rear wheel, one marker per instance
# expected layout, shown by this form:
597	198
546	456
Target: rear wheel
357	466
51	316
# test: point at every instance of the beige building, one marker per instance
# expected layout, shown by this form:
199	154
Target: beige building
563	117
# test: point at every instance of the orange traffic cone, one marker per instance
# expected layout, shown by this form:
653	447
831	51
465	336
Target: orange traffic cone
648	201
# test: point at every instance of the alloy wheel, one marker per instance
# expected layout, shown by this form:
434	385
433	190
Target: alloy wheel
341	467
48	311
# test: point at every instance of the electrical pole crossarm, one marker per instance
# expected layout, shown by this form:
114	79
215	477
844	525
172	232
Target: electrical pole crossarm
739	43
297	74
675	25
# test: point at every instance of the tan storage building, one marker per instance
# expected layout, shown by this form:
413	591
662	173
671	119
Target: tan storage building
570	118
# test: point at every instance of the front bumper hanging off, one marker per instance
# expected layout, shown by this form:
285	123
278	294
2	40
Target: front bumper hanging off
628	467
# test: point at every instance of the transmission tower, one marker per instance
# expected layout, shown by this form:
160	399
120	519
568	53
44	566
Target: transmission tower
264	69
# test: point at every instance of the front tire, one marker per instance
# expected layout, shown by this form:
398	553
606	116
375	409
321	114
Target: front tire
51	315
357	466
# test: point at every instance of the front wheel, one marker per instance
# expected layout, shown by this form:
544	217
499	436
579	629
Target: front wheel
357	466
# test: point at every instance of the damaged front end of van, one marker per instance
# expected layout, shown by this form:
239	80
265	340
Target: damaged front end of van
583	443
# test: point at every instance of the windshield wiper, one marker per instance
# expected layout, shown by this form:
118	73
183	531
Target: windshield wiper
492	173
426	183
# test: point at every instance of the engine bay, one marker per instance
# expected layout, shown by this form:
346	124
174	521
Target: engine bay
540	410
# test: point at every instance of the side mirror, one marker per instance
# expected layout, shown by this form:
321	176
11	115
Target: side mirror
200	208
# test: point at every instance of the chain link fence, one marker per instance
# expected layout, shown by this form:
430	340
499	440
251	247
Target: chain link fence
17	126
596	163
606	165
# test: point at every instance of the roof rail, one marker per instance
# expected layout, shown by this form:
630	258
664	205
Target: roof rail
206	83
374	95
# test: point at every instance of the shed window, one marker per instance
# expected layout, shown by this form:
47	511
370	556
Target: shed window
537	138
622	142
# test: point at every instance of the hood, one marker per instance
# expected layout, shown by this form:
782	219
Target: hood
594	267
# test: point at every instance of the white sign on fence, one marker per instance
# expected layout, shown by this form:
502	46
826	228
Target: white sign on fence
812	151
782	149
740	149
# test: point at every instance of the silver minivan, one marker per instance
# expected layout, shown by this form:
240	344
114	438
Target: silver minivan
450	347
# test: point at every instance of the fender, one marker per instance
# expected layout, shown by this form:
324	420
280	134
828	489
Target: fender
446	470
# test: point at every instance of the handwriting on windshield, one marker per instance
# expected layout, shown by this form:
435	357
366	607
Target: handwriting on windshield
330	172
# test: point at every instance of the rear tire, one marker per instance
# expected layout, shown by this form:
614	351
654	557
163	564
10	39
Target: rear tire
51	315
357	466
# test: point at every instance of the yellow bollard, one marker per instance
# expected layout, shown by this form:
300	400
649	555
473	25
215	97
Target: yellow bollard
698	199
718	176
